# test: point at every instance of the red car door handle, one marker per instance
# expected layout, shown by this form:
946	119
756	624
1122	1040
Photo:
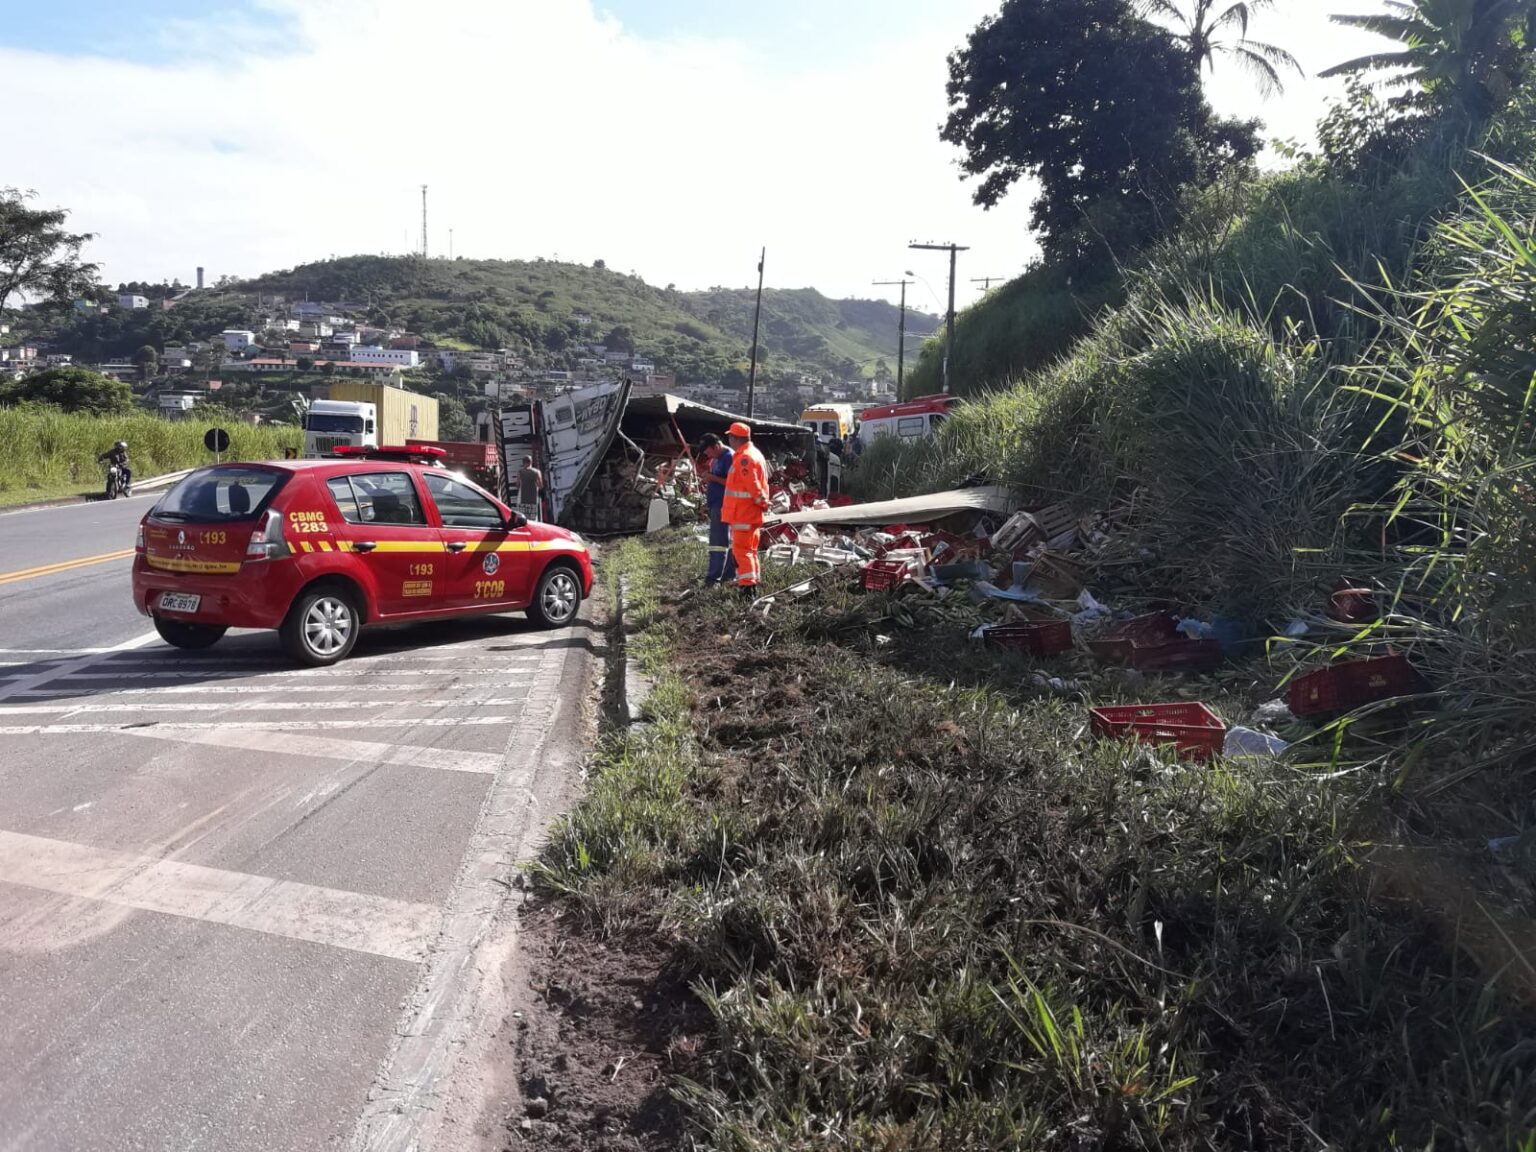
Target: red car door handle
364	546
457	546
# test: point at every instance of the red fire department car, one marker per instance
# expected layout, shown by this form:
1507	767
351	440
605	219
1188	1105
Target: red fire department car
319	548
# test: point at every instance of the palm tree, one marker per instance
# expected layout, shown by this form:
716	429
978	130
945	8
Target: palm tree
1464	53
1211	29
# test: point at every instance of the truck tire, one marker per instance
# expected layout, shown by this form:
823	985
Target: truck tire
557	598
321	626
186	634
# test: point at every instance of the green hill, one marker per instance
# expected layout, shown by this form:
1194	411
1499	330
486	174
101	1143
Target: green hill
543	307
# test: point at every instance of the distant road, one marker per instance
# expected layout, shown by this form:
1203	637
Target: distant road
229	887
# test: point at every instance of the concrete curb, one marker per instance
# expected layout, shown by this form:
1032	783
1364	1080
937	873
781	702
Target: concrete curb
637	685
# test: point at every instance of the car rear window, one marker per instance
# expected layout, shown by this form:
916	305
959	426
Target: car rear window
225	493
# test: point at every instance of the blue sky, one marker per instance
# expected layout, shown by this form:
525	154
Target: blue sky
143	31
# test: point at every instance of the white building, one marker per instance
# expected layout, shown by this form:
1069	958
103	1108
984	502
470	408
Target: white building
238	339
130	301
59	360
373	354
22	354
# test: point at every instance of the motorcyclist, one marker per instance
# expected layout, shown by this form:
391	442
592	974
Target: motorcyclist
118	454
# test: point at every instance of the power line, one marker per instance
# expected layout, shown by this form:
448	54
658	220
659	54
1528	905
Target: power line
949	318
986	282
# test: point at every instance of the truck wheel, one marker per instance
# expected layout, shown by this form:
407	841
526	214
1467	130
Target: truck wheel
185	634
557	599
322	626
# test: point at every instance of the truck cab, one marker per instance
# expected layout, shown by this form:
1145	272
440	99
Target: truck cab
333	424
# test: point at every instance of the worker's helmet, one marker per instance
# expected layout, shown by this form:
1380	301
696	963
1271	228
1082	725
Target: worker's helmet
739	429
121	444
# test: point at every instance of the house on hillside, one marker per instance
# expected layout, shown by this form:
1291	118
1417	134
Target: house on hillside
238	339
128	300
373	354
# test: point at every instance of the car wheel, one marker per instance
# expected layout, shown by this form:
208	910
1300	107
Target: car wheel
321	627
185	634
557	599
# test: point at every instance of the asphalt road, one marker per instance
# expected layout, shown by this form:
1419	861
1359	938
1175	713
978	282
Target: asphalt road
243	905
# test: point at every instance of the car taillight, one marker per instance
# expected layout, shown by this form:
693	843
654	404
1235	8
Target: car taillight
138	542
267	541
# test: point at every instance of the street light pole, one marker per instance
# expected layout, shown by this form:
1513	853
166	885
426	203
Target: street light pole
757	317
901	346
949	319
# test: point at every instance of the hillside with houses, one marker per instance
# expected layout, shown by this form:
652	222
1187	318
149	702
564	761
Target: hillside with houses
475	333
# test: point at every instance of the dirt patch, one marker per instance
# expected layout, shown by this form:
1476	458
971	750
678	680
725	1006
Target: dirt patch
600	1028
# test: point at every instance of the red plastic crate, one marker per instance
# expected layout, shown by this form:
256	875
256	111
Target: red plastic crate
1038	638
1352	684
1155	642
879	575
1193	728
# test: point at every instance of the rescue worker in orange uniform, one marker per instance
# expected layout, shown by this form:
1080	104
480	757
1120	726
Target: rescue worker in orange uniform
746	500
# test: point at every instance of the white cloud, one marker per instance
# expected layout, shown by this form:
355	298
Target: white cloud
541	128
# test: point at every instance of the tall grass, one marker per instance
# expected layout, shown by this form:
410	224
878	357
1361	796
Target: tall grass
47	450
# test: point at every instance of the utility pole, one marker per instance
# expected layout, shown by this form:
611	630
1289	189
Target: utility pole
757	317
986	282
450	243
949	319
901	347
423	221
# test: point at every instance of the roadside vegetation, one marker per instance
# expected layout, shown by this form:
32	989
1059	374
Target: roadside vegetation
51	453
922	906
923	910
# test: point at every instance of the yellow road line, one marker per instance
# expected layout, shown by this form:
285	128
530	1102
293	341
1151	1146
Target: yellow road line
62	566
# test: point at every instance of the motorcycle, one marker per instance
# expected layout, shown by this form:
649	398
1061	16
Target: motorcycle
116	486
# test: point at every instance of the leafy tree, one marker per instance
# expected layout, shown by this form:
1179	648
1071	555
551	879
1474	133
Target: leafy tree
147	360
39	260
328	368
1208	28
621	338
555	339
72	389
1099	105
305	364
600	265
453	422
1464	56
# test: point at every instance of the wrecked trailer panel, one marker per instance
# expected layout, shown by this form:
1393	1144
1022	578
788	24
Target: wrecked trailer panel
567	436
913	510
622	494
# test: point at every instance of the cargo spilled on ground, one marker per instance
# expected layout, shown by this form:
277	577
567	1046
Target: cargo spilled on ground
924	907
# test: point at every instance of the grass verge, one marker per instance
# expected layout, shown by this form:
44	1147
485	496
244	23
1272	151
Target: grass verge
925	912
50	453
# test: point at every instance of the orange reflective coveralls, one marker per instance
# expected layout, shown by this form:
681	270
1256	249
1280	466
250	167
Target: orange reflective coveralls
746	499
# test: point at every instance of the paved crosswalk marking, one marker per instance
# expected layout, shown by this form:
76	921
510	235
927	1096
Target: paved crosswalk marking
237	725
376	925
329	748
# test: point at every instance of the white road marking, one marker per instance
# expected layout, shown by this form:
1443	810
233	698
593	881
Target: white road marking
251	673
373	924
239	689
261	660
247	706
256	725
69	667
53	651
288	744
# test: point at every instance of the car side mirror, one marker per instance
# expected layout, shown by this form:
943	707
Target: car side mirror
516	520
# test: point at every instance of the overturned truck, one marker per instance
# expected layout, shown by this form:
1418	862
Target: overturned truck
605	452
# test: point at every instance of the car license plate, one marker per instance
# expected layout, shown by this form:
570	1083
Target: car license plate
179	602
